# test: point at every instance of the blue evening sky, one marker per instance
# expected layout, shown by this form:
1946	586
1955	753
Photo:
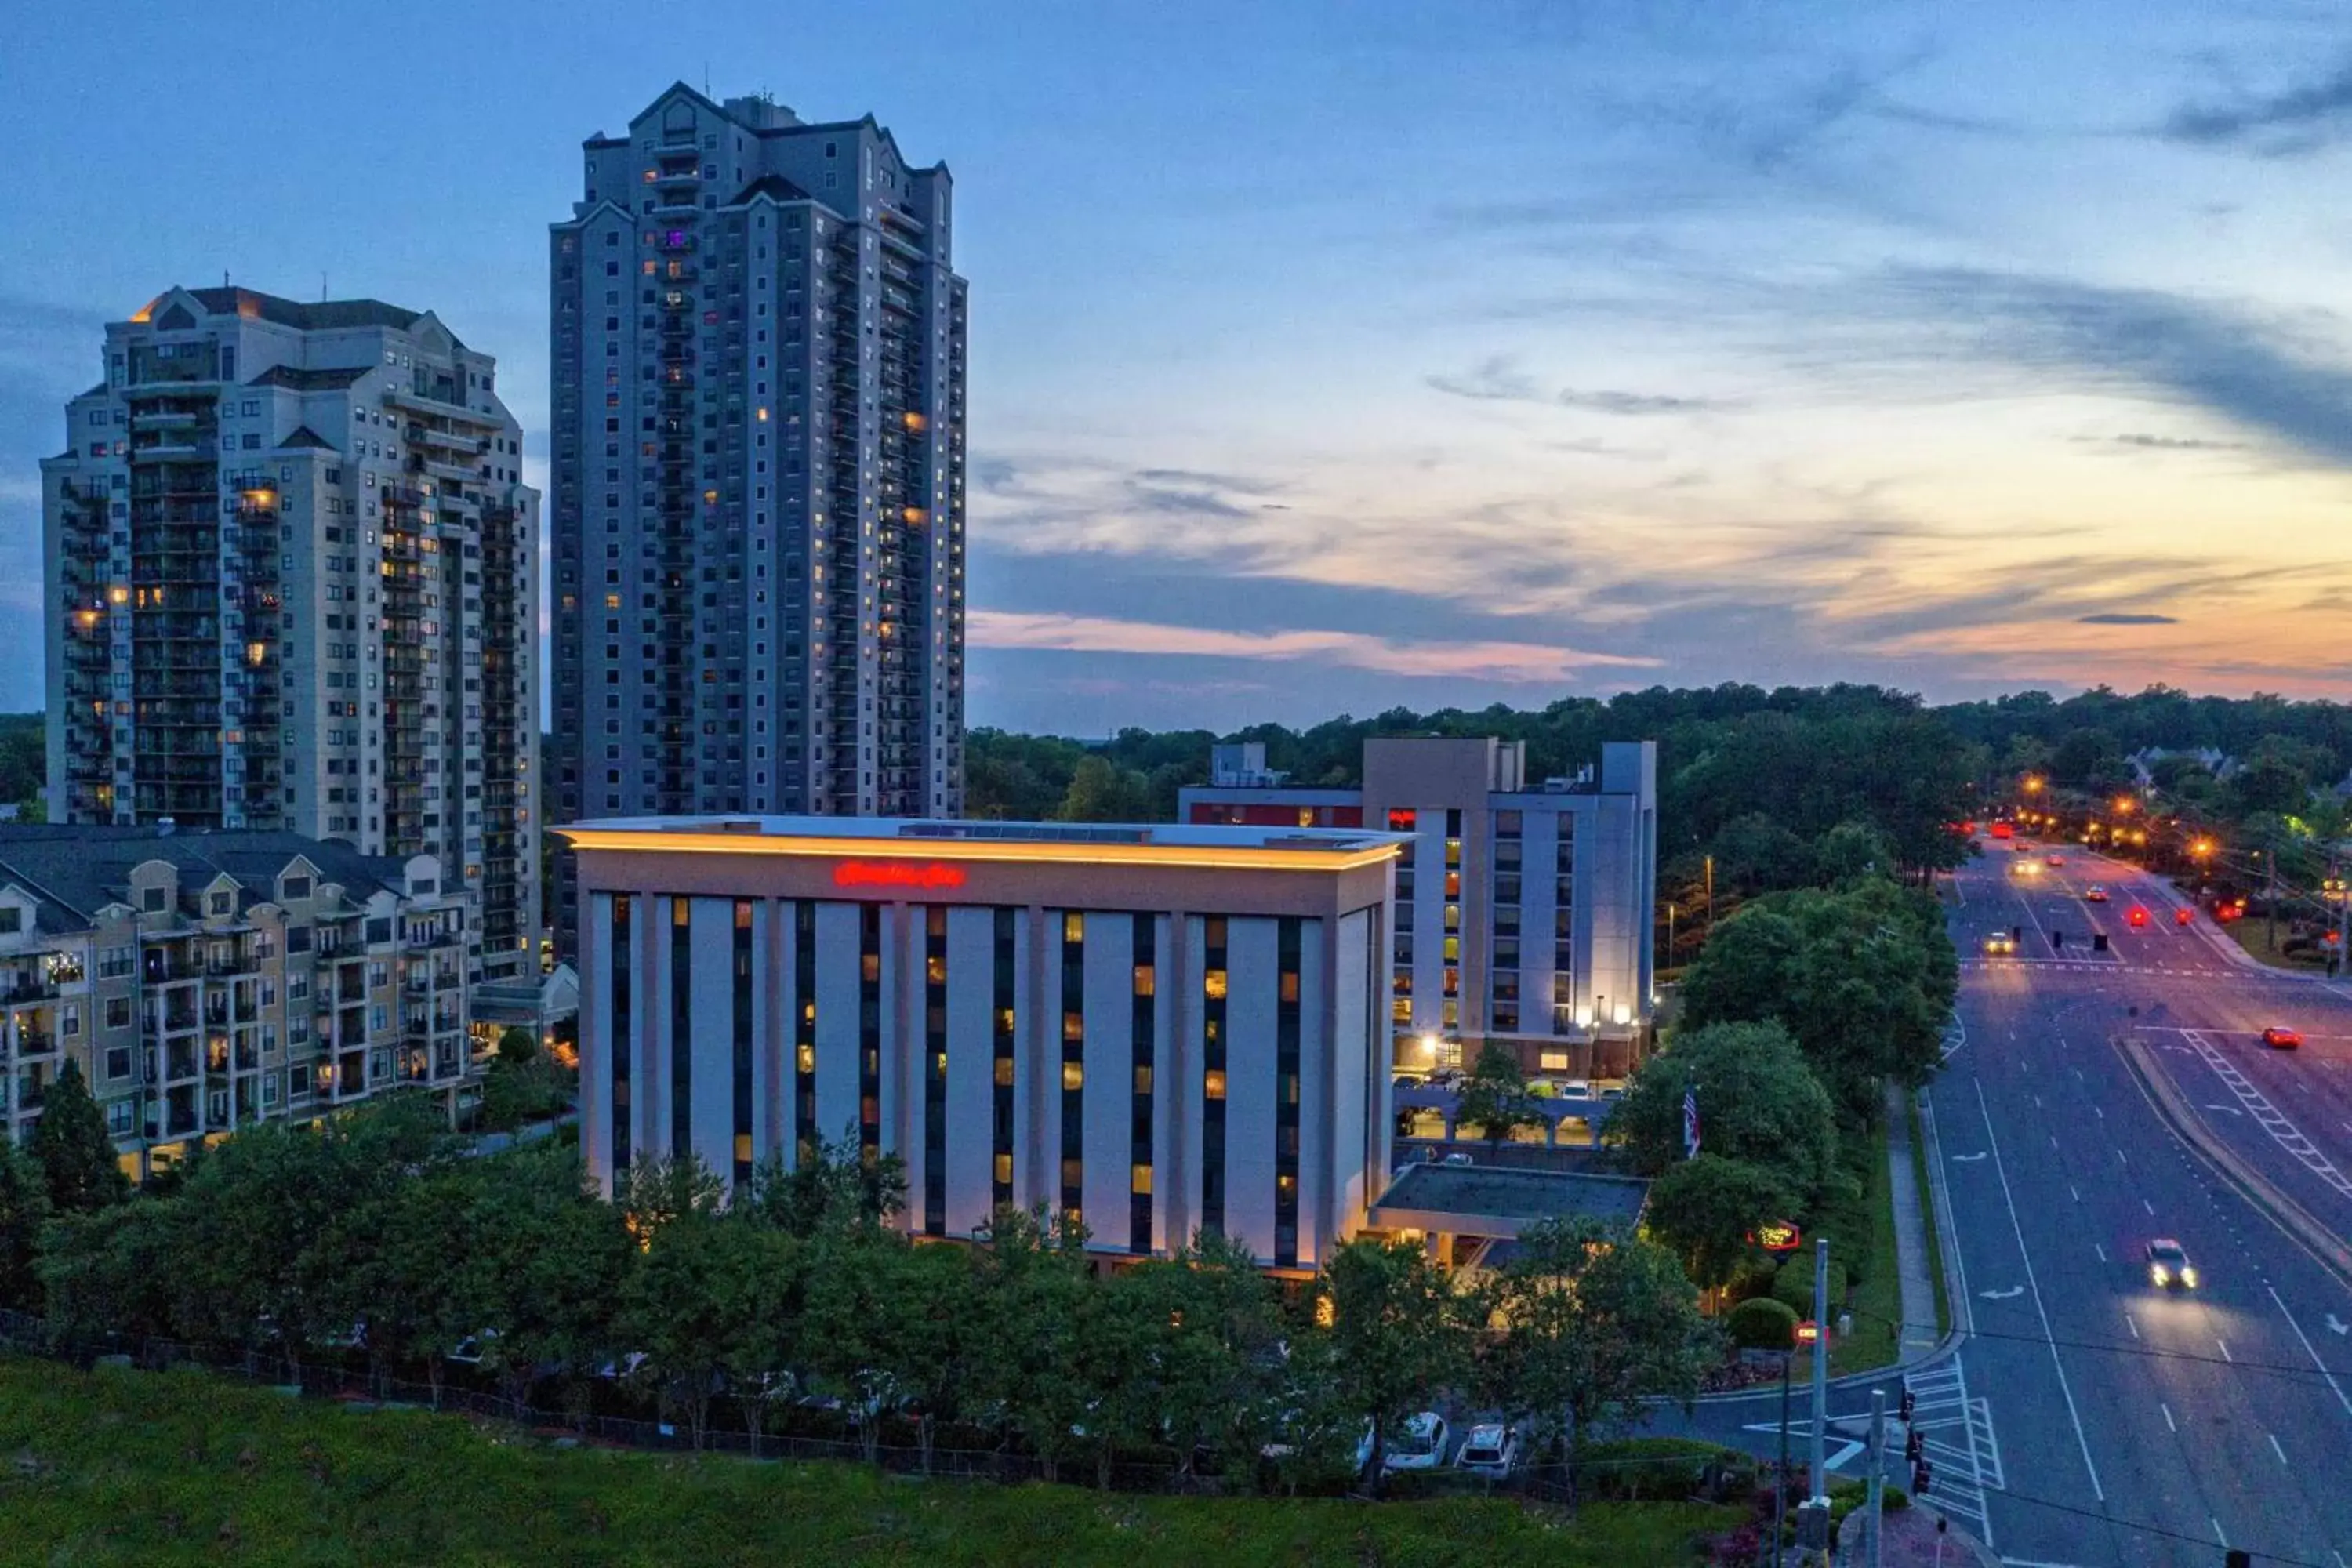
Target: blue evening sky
1329	357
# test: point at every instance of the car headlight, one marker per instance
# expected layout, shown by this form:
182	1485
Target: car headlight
2189	1278
2156	1272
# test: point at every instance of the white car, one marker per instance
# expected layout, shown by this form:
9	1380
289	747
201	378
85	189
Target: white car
1421	1445
1576	1088
1490	1450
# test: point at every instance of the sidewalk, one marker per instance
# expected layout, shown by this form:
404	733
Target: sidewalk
1913	1541
1915	1272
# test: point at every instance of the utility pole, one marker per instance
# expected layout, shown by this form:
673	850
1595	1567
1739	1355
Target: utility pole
1813	1519
1877	1476
1780	1476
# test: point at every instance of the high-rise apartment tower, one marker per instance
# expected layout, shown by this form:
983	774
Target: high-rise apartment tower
757	349
291	582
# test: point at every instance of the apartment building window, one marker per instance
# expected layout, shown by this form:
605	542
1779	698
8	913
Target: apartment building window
1073	1085
804	1129
1212	1074
1286	1092
869	1030
935	1069
622	1044
681	1028
1143	1035
1001	1065
743	1020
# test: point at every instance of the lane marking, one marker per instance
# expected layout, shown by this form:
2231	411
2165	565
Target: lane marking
2132	1326
2100	1250
2077	1191
2284	1134
2341	1398
2169	1424
2082	1441
2148	1206
2225	1348
2217	1533
2274	1446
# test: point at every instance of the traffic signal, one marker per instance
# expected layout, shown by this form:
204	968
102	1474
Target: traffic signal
1908	1402
2057	939
1921	1474
2238	1557
2016	933
1915	1448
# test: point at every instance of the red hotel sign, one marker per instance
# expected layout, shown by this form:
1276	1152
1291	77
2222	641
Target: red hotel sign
924	874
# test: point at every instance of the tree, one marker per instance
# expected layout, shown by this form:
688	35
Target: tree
539	1266
1495	1096
74	1150
1850	852
1399	1333
24	1210
686	1300
1212	1346
517	1045
1591	1320
1758	1102
831	1185
1753	854
1704	1210
1032	1283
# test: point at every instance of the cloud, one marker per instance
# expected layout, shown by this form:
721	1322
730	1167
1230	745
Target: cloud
2289	124
1500	379
2117	618
1526	663
2141	441
2253	370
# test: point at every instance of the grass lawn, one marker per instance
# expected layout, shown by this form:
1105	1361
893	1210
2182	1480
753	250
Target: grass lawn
118	1466
1878	1301
1927	1218
2248	934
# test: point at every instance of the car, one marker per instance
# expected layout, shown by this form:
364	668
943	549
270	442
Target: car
1409	1081
1610	1091
1576	1088
1457	1159
2168	1265
2000	944
2053	861
1543	1089
2095	895
1491	1448
1421	1445
2278	1037
2183	915
2137	916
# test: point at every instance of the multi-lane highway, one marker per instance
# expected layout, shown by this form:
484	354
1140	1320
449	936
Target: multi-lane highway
2117	1422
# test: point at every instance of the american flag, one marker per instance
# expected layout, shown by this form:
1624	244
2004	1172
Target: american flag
1690	1122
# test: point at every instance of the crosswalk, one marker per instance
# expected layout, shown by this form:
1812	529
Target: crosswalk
1957	1434
2283	1132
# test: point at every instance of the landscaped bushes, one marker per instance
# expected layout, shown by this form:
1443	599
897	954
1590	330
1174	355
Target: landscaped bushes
1762	1323
1792	1286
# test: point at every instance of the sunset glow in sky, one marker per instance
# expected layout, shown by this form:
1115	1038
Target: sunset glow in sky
1334	356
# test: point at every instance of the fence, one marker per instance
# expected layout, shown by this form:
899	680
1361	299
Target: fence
1699	1470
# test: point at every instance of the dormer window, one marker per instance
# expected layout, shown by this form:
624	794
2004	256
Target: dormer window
223	903
11	919
295	887
153	900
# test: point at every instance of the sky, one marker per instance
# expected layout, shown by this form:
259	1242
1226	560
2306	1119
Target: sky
1332	357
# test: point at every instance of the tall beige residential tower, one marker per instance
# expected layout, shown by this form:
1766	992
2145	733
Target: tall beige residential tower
291	582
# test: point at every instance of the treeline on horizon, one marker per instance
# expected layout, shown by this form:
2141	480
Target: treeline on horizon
1758	779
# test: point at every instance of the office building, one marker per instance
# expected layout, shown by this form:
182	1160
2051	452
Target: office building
1151	1030
1524	909
757	349
292	581
201	981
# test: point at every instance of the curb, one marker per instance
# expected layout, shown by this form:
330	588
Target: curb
2292	1218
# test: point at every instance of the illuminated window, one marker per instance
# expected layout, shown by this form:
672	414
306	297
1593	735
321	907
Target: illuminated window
1213	1084
1003	1169
1074	1075
804	1058
1552	1061
1139	1180
1289	989
1074	1026
1004	1071
1142	1078
1213	985
1143	980
869	966
1073	927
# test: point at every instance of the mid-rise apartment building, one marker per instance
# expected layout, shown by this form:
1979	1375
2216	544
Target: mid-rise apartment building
1523	910
202	980
758	347
291	582
1148	1030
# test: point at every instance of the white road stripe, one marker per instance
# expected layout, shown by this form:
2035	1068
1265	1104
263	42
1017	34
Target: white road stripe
2132	1326
2341	1398
2049	1335
2169	1424
2148	1206
2100	1250
2225	1348
2274	1446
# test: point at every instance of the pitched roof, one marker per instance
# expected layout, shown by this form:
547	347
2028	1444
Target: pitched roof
77	870
305	436
775	187
299	380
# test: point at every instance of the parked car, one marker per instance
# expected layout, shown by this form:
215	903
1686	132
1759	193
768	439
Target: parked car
2278	1037
1410	1081
1610	1091
1491	1450
1421	1445
1576	1088
1458	1158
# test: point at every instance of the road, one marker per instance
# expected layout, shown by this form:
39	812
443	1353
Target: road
2135	1426
2089	1418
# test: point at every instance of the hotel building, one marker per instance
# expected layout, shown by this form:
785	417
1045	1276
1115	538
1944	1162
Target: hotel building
1151	1030
1523	909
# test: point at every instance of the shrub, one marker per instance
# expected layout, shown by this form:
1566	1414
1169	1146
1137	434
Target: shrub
1762	1323
1793	1286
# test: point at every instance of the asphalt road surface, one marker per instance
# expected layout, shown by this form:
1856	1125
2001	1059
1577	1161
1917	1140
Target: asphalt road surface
2136	1425
2089	1417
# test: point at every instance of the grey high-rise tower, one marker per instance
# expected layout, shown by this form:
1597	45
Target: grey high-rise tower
758	350
292	583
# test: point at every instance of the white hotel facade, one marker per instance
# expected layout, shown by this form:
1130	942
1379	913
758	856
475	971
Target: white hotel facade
1155	1030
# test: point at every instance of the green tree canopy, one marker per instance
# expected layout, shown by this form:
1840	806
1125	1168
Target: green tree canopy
1494	1098
1703	1209
1400	1332
1758	1102
74	1150
24	1210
